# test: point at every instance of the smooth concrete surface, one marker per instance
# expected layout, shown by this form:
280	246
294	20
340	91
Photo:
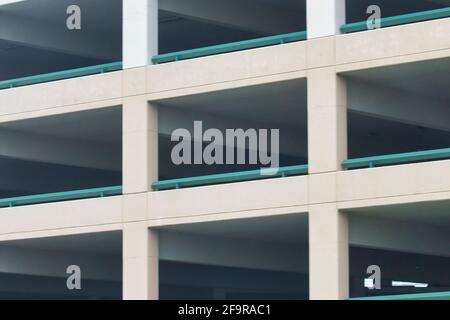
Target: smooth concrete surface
349	52
327	120
227	67
140	254
401	40
76	91
394	181
400	184
140	144
325	194
61	215
329	253
282	194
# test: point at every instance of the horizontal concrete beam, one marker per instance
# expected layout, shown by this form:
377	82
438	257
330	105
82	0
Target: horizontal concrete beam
252	198
369	49
382	185
61	218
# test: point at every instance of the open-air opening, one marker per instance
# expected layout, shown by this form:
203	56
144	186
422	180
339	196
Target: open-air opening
35	39
405	246
259	258
38	269
399	109
190	24
260	111
357	9
67	152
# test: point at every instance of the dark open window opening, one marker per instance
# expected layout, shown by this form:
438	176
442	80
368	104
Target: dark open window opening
183	26
357	9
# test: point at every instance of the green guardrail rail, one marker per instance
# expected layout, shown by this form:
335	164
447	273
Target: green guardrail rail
445	295
60	75
231	177
399	20
61	196
230	47
398	158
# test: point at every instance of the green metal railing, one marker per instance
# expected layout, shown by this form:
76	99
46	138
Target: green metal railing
230	47
60	75
61	196
414	296
231	177
399	20
399	158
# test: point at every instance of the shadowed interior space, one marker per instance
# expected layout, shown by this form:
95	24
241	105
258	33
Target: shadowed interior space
258	258
356	9
280	105
66	152
190	24
396	109
36	269
408	242
34	38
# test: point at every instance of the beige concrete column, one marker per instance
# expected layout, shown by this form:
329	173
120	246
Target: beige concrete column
327	120
327	147
140	144
140	262
328	253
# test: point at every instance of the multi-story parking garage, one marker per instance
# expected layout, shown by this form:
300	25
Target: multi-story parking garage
87	179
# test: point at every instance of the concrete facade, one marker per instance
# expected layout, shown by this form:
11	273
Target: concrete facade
326	194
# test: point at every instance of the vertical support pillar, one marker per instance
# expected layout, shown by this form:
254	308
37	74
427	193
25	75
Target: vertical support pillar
327	147
140	32
327	120
140	144
324	17
140	262
328	253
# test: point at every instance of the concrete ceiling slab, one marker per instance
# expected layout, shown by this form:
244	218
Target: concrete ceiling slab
280	103
291	228
100	243
100	125
436	213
